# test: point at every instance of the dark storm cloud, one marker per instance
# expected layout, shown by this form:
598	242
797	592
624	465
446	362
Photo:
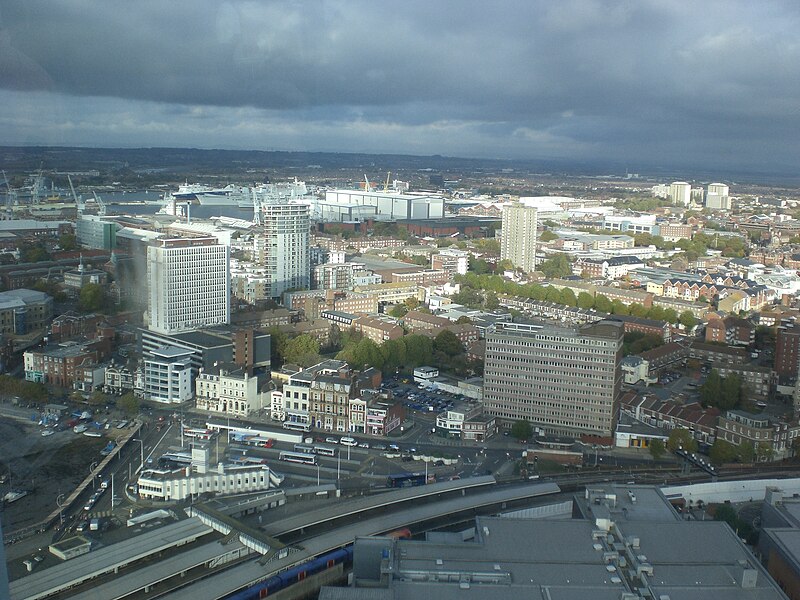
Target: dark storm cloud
655	80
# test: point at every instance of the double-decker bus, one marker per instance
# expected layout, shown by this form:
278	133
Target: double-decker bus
292	426
196	433
402	480
298	457
258	442
324	451
248	460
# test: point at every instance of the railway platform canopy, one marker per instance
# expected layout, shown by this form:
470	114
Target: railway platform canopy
110	559
364	504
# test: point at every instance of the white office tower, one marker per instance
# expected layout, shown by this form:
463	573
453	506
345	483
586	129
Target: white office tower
190	284
518	243
717	196
680	193
281	247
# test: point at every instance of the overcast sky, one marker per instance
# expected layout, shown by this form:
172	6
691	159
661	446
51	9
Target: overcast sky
643	82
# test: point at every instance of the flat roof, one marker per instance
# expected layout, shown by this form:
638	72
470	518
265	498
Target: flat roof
73	572
242	575
156	571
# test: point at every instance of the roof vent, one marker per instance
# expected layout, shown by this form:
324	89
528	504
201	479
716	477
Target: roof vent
439	562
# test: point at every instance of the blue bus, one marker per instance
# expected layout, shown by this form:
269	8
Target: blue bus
402	480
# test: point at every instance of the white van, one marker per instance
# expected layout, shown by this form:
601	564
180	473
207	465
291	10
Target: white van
348	441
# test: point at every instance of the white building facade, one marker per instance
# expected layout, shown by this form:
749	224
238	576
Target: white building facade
228	391
168	375
189	284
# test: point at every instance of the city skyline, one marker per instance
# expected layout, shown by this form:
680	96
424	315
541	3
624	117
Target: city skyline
641	84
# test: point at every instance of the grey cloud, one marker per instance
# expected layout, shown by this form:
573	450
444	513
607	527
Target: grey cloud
618	78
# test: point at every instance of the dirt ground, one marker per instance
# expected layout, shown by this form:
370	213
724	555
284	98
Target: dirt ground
45	466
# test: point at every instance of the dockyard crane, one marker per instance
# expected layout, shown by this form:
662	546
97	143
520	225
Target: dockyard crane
11	198
36	188
367	187
78	203
256	207
101	206
386	185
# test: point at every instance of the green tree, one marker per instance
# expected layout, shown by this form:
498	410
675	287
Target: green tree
302	350
556	267
92	298
419	350
394	354
681	438
367	354
553	295
479	266
747	453
411	303
602	304
731	393
568	297
711	390
447	342
522	430
687	319
278	341
491	302
764	451
129	404
68	241
548	236
97	398
585	300
398	311
670	315
33	252
657	448
723	452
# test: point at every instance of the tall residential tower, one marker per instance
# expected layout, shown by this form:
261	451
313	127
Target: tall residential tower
518	243
282	247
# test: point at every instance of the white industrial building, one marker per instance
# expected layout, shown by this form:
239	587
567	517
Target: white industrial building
189	284
634	224
357	205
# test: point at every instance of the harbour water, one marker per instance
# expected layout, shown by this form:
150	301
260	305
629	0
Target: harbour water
141	203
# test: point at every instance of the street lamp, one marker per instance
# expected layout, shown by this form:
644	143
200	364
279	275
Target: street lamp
59	500
141	451
92	467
